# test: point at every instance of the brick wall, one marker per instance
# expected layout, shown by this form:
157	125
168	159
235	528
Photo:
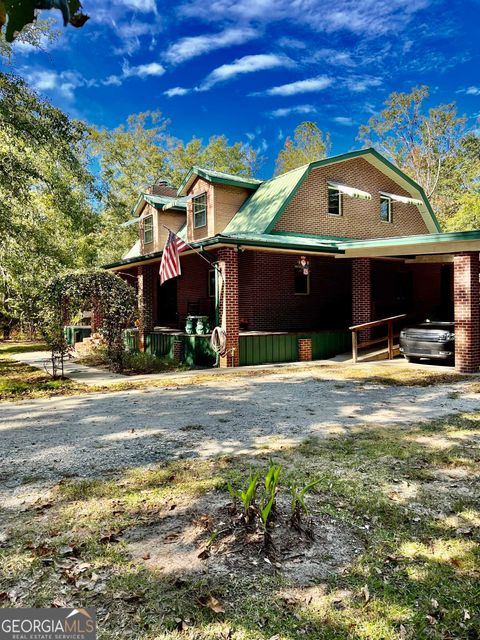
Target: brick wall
192	286
223	202
467	312
227	201
162	189
268	300
307	212
174	220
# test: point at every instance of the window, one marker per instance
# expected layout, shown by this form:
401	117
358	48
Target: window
385	209
211	283
200	211
148	230
334	202
302	283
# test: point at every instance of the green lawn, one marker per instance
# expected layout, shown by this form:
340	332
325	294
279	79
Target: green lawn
408	496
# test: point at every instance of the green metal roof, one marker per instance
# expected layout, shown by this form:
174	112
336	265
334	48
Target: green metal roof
271	197
218	177
159	201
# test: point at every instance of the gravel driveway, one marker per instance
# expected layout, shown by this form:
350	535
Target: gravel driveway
43	441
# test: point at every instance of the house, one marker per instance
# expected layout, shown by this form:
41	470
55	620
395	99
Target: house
300	257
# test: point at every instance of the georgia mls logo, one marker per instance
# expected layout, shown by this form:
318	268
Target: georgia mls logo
47	624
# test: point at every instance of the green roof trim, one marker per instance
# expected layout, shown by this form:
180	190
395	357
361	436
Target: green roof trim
218	177
258	213
427	238
159	201
261	212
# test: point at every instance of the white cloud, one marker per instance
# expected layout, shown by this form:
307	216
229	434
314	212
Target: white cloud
144	6
63	84
335	57
473	91
176	91
359	84
194	46
247	64
347	122
367	17
143	70
309	85
301	108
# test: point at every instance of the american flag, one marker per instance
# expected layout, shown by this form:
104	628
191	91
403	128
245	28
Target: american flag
170	264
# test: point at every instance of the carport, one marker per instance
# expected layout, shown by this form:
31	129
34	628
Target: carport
458	249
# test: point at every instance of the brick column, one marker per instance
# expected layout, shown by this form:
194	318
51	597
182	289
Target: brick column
467	312
228	304
362	308
305	350
145	303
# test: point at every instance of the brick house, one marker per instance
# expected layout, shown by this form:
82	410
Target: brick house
301	257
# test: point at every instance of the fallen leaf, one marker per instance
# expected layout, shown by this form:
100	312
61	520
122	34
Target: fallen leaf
4	596
59	603
365	593
212	603
204	554
146	556
466	615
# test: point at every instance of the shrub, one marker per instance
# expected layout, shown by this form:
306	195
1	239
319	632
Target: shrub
147	363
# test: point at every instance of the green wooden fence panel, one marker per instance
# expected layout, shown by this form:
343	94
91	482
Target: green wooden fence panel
271	348
198	351
76	334
130	339
160	344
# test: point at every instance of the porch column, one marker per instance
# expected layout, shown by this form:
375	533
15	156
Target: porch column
362	307
228	304
467	312
145	303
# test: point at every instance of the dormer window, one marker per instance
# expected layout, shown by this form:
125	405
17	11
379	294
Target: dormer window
385	209
199	211
148	230
334	201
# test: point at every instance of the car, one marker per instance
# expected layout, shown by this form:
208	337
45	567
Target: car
431	339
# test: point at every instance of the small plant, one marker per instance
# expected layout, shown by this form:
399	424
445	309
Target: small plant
268	507
247	497
298	506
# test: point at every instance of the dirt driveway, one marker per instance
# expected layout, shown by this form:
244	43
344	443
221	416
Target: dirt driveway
44	441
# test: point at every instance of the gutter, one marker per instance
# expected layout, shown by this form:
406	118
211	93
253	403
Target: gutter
223	241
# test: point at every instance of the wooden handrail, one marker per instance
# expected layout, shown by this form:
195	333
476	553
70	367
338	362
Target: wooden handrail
368	325
376	323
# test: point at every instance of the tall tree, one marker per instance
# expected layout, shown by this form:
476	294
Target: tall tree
46	196
308	144
138	154
429	145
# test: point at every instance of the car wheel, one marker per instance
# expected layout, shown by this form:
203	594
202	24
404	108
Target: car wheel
412	359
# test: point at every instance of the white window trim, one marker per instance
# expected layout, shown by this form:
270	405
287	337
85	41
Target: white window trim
199	195
340	204
150	219
384	197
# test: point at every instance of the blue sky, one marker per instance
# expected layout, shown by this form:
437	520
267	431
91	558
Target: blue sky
254	69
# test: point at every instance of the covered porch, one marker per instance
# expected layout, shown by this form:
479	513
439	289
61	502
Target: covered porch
272	312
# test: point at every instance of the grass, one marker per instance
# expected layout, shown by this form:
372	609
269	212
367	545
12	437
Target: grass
409	494
19	381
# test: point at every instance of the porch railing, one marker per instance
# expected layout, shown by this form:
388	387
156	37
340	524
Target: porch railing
388	322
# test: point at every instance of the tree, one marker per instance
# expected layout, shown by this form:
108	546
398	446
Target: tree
103	291
308	144
139	153
47	199
430	145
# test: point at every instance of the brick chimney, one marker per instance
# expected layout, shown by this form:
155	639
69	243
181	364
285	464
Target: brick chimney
162	188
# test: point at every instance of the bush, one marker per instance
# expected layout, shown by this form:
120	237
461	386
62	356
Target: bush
148	363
